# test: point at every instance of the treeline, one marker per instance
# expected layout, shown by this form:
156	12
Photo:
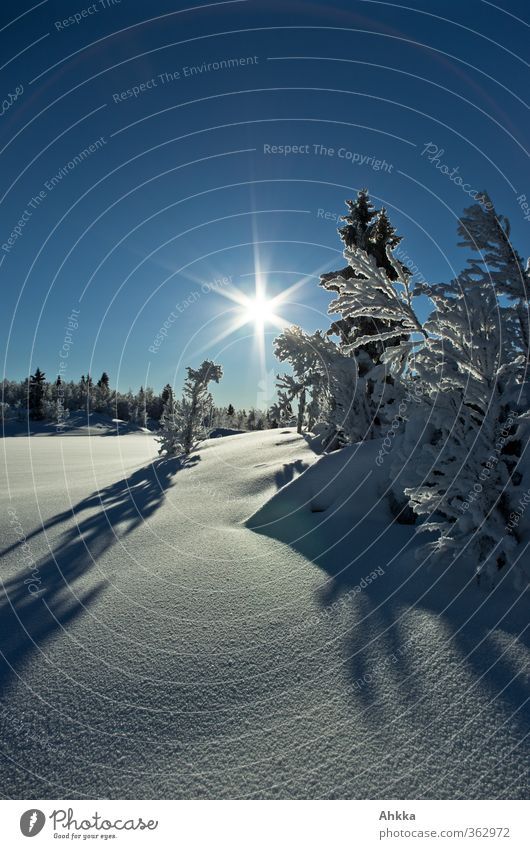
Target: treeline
39	399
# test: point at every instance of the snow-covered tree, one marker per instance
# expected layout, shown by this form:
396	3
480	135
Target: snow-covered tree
369	231
496	262
308	356
281	411
85	393
374	301
102	396
133	413
380	295
170	437
142	407
372	293
53	410
36	389
185	422
465	468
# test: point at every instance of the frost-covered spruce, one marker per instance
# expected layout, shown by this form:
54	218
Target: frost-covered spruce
281	411
375	293
326	385
36	388
170	427
374	301
457	458
348	385
465	464
497	262
185	422
308	356
142	407
369	230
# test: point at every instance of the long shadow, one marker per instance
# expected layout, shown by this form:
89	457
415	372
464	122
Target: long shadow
469	618
286	474
44	597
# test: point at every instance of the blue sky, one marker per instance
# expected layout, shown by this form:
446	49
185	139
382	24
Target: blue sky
182	190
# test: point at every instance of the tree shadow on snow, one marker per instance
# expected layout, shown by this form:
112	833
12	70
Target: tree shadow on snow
467	624
44	597
286	474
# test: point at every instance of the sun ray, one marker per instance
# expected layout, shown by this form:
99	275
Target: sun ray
257	309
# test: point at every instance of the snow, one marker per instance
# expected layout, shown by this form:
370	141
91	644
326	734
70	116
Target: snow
207	629
78	423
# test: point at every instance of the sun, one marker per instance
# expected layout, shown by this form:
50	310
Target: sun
258	310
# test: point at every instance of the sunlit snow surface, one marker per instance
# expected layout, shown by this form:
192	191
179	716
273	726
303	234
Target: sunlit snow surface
203	630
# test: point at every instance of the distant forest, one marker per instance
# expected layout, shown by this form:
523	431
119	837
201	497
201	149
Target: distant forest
38	399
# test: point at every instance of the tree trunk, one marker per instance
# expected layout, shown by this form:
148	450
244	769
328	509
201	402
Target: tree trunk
301	411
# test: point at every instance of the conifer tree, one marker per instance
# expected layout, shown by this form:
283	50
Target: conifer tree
170	437
495	262
370	231
104	380
471	365
36	389
184	423
142	407
281	410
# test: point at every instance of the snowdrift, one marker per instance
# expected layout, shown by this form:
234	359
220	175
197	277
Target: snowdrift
179	649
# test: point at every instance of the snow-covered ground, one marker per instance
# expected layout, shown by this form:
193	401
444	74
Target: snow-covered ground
251	624
78	423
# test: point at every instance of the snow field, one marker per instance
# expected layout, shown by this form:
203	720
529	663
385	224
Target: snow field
193	639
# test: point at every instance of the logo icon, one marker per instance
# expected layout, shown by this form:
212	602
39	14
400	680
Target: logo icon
31	822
